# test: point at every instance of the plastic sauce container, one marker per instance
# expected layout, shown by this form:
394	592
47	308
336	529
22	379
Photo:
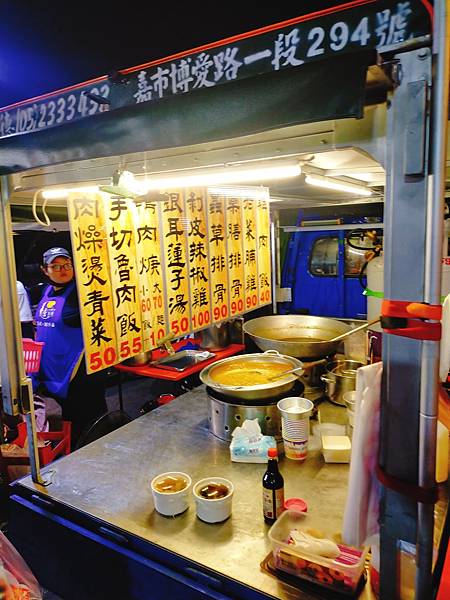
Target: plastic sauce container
341	574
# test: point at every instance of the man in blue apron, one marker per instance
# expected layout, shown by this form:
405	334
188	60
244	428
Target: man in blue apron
62	371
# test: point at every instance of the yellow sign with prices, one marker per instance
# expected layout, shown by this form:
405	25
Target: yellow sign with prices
235	249
250	253
217	245
198	258
171	262
150	272
91	261
176	268
124	274
264	252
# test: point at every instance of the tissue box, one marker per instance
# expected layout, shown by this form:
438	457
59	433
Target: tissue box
248	443
249	452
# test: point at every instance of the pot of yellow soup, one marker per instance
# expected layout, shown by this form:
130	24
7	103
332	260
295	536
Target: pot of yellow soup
252	376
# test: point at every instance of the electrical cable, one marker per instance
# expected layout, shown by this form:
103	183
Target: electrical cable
47	222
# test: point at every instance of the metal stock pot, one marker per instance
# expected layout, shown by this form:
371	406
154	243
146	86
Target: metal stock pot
340	377
245	363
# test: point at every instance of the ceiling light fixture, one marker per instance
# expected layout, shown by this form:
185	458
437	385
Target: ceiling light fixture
338	185
255	193
60	193
223	176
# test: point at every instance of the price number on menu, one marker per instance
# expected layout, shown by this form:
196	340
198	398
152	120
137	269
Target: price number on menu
237	306
265	296
220	312
148	304
203	318
109	356
179	326
155	337
251	301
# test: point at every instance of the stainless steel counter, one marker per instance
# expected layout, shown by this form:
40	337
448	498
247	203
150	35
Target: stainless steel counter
110	480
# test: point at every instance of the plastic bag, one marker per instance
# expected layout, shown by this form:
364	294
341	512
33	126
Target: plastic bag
248	443
17	582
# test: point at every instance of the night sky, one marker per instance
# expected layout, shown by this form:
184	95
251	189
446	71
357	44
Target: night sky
47	45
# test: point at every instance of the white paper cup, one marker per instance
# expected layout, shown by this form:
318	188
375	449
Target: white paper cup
170	504
213	510
295	413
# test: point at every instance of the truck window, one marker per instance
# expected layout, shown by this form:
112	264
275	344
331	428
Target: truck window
323	260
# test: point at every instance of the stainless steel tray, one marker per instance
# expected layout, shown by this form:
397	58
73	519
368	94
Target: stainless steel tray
182	360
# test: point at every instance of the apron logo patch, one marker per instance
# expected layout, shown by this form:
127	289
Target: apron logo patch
47	310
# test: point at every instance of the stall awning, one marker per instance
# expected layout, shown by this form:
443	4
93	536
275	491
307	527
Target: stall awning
319	91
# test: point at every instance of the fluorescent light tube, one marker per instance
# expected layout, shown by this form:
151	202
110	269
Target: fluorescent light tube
255	193
53	194
335	184
211	177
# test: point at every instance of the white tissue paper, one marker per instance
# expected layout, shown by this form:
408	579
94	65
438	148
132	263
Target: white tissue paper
248	443
312	545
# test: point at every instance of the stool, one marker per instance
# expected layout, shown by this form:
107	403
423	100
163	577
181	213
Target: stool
47	453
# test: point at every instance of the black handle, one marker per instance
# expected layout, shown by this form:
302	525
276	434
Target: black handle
113	535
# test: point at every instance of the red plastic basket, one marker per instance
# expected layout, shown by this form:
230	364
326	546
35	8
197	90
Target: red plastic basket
32	352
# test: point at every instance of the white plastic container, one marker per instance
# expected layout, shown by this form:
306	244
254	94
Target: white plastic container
341	574
336	448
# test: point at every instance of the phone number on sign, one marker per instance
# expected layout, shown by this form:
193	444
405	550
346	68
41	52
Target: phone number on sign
109	356
62	109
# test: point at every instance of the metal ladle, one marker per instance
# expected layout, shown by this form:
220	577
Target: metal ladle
303	367
352	331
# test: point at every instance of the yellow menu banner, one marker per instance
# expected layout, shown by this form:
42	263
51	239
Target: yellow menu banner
264	253
124	275
218	269
167	262
235	248
250	251
91	261
198	258
174	234
150	272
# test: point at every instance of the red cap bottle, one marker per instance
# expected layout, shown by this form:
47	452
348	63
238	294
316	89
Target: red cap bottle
273	488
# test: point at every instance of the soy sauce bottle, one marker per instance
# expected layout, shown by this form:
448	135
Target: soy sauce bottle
273	489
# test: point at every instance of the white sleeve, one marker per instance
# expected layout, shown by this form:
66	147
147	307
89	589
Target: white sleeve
24	304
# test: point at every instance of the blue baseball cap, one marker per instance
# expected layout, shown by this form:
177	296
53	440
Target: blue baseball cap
50	255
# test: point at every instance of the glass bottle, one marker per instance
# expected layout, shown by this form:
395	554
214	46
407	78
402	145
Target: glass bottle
273	488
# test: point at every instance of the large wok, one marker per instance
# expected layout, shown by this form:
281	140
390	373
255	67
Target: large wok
249	362
301	336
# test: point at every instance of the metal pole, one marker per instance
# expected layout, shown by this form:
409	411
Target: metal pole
405	226
432	293
17	394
